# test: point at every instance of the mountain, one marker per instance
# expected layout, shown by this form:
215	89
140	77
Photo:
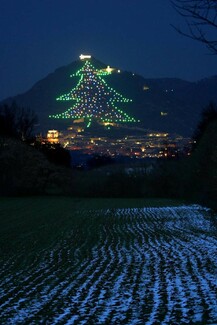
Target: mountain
165	104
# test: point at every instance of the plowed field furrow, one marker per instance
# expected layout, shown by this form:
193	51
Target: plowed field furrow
75	281
123	266
80	284
38	277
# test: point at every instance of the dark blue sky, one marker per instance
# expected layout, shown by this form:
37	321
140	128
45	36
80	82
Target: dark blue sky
38	36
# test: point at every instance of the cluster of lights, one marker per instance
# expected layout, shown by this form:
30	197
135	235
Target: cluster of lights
94	98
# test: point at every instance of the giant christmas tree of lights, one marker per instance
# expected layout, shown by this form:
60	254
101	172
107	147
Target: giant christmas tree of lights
94	99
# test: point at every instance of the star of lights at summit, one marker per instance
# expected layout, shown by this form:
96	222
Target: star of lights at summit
94	99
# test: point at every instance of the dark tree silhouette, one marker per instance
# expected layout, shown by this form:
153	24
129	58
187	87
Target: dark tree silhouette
16	121
99	161
55	153
209	114
201	20
26	171
203	167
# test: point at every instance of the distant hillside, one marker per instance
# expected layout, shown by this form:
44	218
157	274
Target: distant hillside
165	104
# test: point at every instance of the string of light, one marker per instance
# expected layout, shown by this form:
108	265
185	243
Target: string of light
94	98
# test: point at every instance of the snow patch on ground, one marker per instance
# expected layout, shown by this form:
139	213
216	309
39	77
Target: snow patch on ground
149	266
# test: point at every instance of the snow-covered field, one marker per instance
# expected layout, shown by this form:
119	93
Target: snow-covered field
147	266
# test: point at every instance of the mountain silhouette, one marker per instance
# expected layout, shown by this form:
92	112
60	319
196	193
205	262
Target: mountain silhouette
165	104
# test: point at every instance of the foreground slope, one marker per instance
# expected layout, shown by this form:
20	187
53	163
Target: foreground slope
153	265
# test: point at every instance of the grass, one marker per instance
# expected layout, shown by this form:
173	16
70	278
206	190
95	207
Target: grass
35	223
71	257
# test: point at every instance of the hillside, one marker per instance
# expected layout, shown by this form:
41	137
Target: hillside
165	104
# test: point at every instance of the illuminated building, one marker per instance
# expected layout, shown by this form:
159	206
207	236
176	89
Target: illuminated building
53	136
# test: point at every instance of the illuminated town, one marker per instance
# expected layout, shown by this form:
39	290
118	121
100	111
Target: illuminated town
149	145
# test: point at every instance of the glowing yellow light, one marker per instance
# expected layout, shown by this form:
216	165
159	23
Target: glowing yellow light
109	69
84	57
52	136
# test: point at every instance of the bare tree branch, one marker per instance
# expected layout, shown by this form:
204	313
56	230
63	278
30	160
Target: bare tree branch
201	20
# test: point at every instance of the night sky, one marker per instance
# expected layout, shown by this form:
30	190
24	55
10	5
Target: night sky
38	36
